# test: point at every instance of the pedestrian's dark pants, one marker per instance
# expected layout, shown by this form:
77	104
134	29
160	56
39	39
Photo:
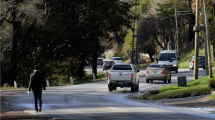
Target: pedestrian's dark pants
37	97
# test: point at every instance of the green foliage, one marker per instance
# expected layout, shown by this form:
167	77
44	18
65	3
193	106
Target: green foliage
59	36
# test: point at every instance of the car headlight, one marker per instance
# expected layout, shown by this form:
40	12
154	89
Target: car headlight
174	65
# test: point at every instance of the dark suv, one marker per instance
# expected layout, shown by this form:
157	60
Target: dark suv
201	62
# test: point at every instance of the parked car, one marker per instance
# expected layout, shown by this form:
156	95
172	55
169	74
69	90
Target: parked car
123	75
201	62
158	72
100	61
107	64
169	58
117	60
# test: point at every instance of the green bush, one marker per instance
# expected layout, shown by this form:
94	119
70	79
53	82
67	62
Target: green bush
212	84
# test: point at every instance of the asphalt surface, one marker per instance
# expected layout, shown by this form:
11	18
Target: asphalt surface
94	101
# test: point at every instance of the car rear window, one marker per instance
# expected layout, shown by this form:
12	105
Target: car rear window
201	57
99	60
117	59
122	67
109	61
156	66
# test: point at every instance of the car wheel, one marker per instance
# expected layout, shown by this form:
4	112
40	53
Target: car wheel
133	88
203	68
137	87
110	88
165	81
176	71
151	81
147	81
114	88
192	68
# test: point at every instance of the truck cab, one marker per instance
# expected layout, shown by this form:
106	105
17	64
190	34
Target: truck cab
169	58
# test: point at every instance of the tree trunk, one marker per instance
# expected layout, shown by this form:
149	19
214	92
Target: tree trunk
150	55
12	73
158	41
191	24
214	31
81	67
95	57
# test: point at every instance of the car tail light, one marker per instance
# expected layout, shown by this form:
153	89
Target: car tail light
132	76
103	63
109	76
147	71
163	72
192	61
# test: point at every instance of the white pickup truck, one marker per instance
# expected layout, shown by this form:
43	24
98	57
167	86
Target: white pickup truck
123	75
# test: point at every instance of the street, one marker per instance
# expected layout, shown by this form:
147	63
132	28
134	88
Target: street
93	101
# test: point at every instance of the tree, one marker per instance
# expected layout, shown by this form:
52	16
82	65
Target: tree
18	19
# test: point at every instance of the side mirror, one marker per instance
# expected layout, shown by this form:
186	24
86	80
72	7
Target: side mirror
178	58
138	70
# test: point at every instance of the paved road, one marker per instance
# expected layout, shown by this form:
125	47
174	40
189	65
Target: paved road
93	101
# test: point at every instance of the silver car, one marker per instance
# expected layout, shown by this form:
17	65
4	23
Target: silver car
100	61
158	72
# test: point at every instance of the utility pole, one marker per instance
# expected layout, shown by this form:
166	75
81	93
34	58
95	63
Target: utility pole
176	23
137	53
132	51
207	38
206	54
196	29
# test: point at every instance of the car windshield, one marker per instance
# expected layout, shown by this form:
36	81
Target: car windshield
117	59
122	67
156	66
167	56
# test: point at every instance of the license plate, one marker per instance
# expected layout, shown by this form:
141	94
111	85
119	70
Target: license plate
120	82
154	72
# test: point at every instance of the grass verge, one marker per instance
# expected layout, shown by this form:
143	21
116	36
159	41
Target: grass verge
199	85
100	77
185	57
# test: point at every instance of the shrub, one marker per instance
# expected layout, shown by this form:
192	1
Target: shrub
212	84
5	85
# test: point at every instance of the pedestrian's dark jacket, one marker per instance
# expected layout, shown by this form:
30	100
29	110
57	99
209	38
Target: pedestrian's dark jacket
37	81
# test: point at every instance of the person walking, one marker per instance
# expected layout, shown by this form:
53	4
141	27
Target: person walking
37	83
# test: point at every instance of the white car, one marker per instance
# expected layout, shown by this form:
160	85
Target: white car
123	75
117	60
